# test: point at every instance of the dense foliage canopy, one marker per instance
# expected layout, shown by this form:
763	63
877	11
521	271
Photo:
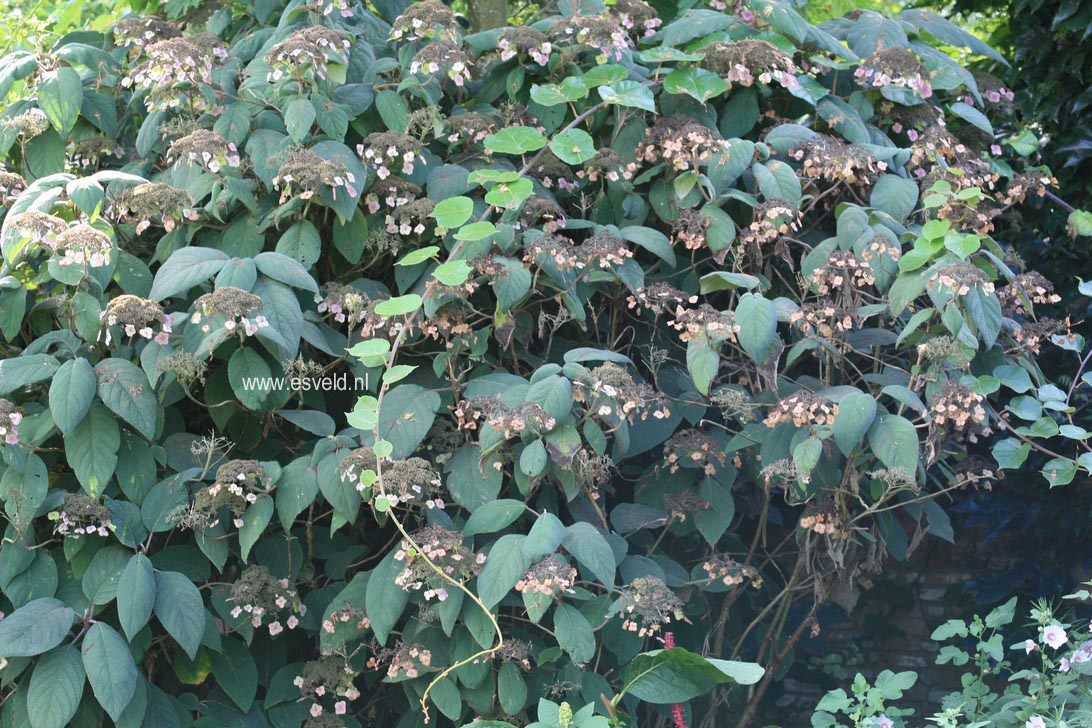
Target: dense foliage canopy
653	338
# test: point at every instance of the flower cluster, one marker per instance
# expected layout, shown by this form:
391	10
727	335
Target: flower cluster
551	172
824	157
958	405
705	321
685	504
822	318
957	279
522	417
894	67
694	448
525	40
387	150
681	142
343	303
207	148
468	128
81	515
610	390
1030	335
550	577
135	316
143	32
660	298
646	605
173	66
151	201
10	417
305	174
734	404
28	124
728	571
306	53
403	660
11	186
412	480
37	226
345	615
233	490
88	153
749	60
446	551
605	165
1027	288
821	516
411	218
234	305
690	228
603	34
443	56
328	677
638	17
770	222
81	245
604	251
264	598
430	19
802	409
842	271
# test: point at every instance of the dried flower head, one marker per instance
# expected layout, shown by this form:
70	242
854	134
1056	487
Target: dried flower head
638	17
749	60
89	153
37	226
428	19
525	40
147	203
11	186
443	57
694	449
894	67
144	32
306	54
232	304
28	124
81	245
468	128
388	150
446	551
824	157
410	481
728	571
187	368
206	148
173	75
680	141
958	406
550	577
603	35
821	516
957	280
404	660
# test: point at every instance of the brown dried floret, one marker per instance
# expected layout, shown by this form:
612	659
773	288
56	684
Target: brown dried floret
611	390
958	405
544	209
660	298
603	250
329	676
823	318
1031	335
356	462
606	165
404	660
1027	288
705	321
550	170
129	310
690	228
248	473
894	67
821	516
550	577
728	571
680	141
957	279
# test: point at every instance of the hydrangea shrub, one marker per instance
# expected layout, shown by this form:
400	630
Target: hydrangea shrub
357	371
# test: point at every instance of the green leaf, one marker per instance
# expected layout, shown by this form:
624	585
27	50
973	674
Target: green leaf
236	672
299	117
384	600
393	109
515	140
25	370
695	82
399	305
416	257
897	196
255	521
505	565
286	269
179	607
71	393
110	668
100	581
856	411
554	394
452	212
452	273
651	240
92	449
590	548
574	146
724	281
60	94
756	318
1080	223
136	595
36	627
56	688
124	388
629	93
493	516
407	415
569	90
250	378
972	116
185	269
677	675
301	243
476	231
533	459
895	442
703	362
574	633
544	538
